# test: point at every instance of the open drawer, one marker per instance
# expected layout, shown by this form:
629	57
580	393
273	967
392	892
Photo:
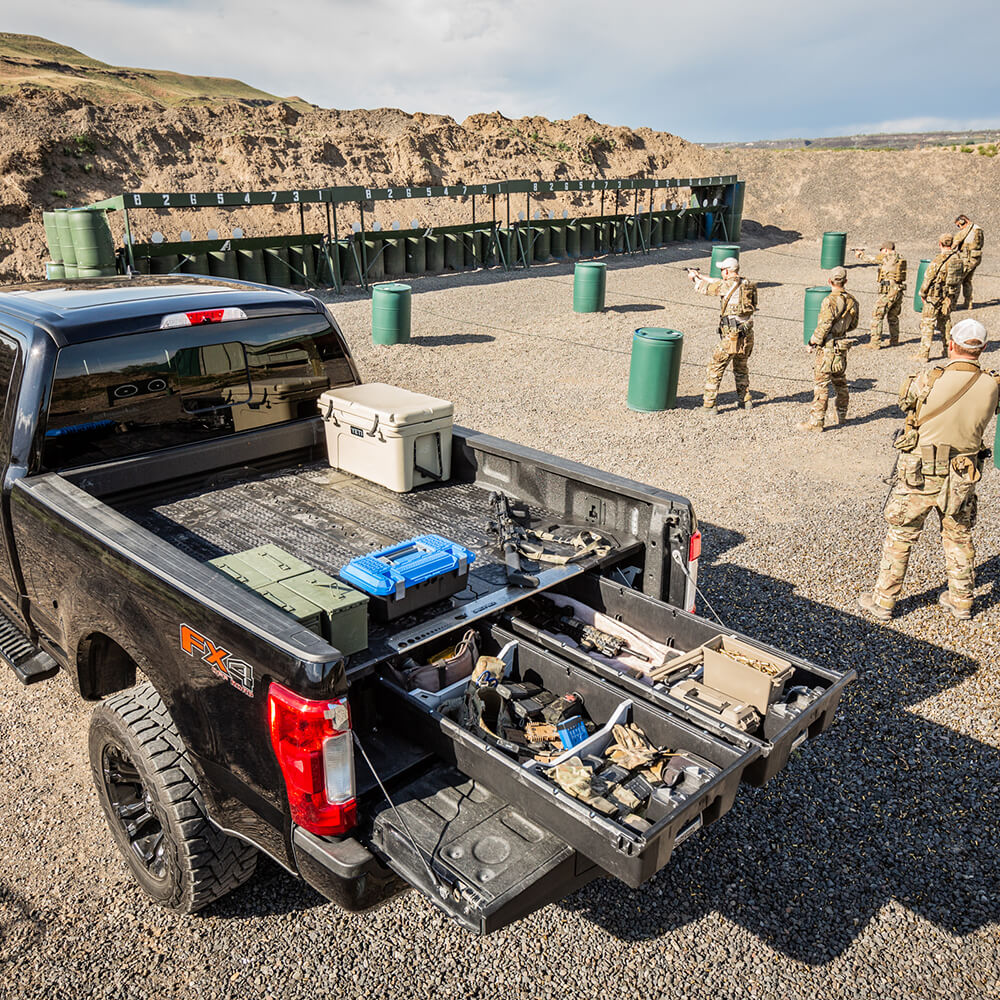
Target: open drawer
781	731
622	851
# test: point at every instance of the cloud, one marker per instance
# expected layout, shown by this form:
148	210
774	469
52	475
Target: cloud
729	70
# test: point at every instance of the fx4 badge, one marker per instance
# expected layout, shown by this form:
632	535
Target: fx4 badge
239	673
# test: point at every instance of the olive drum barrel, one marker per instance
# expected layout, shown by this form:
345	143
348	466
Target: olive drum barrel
391	313
655	369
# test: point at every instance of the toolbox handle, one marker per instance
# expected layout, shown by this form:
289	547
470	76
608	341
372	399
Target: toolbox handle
693	827
330	415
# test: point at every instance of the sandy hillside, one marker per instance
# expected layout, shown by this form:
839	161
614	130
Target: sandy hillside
67	141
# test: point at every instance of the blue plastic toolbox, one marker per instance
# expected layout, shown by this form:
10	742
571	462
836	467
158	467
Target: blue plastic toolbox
408	576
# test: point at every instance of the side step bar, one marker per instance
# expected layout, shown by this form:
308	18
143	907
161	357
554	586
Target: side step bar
29	663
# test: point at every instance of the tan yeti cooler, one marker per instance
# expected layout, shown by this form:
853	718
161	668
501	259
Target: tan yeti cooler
387	435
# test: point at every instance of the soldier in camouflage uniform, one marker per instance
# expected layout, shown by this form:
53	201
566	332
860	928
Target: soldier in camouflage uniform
941	459
969	242
738	304
838	316
891	286
941	284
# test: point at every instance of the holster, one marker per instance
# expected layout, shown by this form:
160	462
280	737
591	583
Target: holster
733	332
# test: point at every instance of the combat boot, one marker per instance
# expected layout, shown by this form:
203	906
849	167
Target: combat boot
841	418
874	345
808	425
962	614
744	404
867	604
710	411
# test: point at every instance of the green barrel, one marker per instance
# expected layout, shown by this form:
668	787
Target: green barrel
996	447
616	235
394	256
166	263
557	240
646	229
142	265
83	271
65	238
223	264
434	251
276	266
347	261
918	302
833	251
250	266
302	264
52	236
91	234
572	240
587	236
416	255
54	271
669	227
70	270
693	226
655	368
541	244
375	259
810	313
473	243
719	253
391	313
194	263
454	251
656	231
590	282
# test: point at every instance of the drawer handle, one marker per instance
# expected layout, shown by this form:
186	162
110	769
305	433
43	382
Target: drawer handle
693	827
799	740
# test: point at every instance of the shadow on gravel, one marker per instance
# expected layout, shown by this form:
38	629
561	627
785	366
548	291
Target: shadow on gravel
755	236
448	339
884	806
987	572
634	307
271	891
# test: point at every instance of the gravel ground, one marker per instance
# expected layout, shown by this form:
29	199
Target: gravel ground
867	868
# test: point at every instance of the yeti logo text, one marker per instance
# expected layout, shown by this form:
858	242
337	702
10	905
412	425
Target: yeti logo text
238	672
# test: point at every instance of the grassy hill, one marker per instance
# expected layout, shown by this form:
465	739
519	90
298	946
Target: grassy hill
27	60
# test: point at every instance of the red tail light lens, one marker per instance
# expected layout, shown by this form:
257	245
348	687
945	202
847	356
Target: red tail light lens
694	546
312	741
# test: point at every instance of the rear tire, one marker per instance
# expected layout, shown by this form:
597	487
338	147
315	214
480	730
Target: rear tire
150	796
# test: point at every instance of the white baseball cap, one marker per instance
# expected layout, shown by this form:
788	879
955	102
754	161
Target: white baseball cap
969	333
729	264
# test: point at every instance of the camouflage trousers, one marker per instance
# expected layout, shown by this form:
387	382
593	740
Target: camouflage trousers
717	368
936	317
887	307
970	270
956	504
822	380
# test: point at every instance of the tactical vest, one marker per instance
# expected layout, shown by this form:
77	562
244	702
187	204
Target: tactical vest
936	279
845	314
892	268
917	416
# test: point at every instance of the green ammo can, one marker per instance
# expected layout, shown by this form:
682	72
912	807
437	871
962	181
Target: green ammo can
834	250
52	236
243	572
394	257
304	612
91	234
810	313
344	621
65	239
655	369
273	562
391	313
276	265
918	302
572	240
223	264
250	266
719	253
557	240
434	253
416	255
590	280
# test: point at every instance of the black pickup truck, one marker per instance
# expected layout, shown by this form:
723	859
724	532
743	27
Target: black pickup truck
224	726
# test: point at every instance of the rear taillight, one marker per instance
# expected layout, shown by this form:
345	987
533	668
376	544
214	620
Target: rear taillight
694	546
312	741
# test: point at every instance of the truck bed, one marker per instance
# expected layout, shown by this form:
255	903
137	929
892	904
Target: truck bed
327	517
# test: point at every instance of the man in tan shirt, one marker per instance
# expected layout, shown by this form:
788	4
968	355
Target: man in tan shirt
941	459
738	303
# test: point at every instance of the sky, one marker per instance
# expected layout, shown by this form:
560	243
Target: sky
709	72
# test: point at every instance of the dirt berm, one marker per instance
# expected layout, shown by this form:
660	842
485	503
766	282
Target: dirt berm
61	150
